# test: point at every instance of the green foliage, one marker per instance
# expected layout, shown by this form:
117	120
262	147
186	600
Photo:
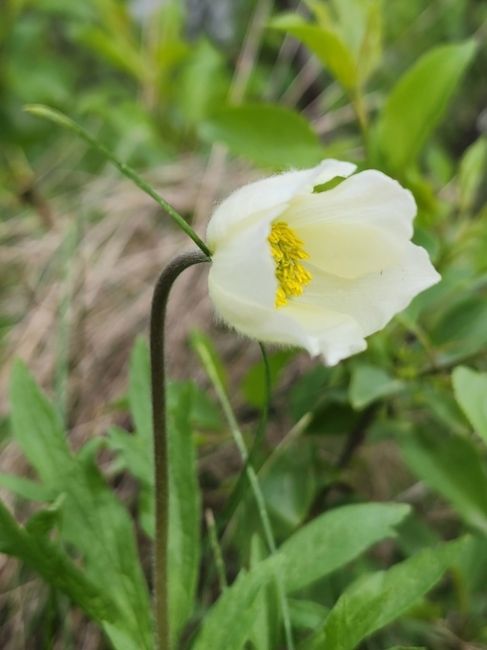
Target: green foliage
377	599
471	392
270	135
402	134
452	466
473	169
327	44
32	546
93	520
369	384
395	86
329	542
184	506
237	604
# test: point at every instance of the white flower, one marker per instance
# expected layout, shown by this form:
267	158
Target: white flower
317	270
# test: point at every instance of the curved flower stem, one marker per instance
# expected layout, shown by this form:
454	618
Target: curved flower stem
63	120
253	482
158	315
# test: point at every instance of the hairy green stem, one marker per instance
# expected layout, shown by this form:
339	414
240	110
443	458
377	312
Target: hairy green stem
63	120
158	381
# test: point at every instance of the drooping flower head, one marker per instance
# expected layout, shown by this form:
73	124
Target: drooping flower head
318	270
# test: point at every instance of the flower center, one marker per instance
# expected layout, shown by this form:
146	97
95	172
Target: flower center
287	250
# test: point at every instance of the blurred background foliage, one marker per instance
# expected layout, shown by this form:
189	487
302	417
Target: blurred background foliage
200	97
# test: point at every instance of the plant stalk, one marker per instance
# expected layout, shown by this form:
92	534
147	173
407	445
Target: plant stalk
158	383
63	120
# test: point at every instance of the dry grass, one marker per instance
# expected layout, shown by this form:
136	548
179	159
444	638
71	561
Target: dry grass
79	294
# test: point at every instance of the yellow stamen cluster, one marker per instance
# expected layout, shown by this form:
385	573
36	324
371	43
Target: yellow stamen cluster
287	249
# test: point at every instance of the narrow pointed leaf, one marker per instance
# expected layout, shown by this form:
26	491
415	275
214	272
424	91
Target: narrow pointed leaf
471	393
374	601
336	538
419	100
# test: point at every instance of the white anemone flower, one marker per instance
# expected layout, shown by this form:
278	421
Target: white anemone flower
317	270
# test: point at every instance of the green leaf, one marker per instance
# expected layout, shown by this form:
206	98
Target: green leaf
375	600
25	488
306	614
266	624
369	384
268	135
472	172
38	429
184	405
94	520
326	43
471	393
140	391
200	342
407	647
184	514
360	24
289	485
331	540
253	383
419	100
43	521
204	82
184	505
135	453
56	568
370	51
452	466
462	328
228	624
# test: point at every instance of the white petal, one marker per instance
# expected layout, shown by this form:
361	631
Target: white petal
254	320
268	198
242	286
348	249
368	196
374	299
336	335
244	267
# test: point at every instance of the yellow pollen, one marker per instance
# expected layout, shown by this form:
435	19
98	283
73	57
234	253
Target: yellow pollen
287	250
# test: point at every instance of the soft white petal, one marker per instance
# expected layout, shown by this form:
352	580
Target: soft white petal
374	299
242	286
332	335
336	335
254	320
268	197
244	266
369	196
348	249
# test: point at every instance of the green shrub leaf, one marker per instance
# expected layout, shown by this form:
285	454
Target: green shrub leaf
326	43
268	135
370	383
375	600
471	393
419	100
332	540
452	466
228	624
